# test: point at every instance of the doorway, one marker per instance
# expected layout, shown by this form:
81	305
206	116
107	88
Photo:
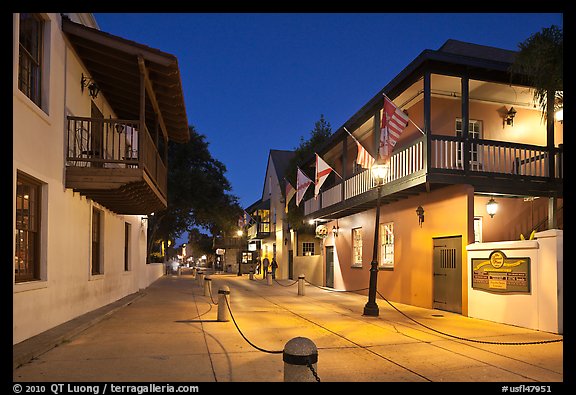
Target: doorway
447	271
330	266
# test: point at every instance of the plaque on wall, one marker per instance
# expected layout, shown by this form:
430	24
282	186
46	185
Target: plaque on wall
499	273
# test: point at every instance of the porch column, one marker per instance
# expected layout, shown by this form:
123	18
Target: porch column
552	222
465	123
344	165
142	130
427	126
550	97
377	124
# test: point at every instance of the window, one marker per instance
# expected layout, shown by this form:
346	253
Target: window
96	261
127	231
30	57
307	248
27	246
387	246
474	132
357	247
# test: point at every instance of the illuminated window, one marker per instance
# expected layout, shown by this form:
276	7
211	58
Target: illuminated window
96	261
27	246
387	246
307	248
357	247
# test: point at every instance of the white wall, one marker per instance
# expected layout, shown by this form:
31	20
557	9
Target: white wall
66	288
539	309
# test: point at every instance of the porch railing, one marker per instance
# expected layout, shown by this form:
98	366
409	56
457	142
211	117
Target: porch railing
495	157
446	155
113	143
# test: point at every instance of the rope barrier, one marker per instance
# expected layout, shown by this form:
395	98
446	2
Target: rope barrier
245	338
284	285
437	331
466	339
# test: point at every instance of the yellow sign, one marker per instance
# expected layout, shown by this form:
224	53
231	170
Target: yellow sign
501	274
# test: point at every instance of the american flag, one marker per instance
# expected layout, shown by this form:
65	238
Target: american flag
364	159
394	121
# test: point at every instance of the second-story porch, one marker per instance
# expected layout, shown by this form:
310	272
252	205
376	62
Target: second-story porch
471	122
117	156
501	167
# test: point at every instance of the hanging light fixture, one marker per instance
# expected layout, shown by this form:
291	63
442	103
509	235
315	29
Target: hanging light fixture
92	86
492	207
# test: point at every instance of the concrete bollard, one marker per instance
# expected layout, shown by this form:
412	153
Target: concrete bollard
269	279
207	285
251	274
223	297
200	278
301	285
193	272
299	354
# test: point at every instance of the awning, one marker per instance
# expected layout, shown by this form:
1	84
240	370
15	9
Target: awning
113	62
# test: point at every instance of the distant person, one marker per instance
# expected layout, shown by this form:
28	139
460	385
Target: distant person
258	265
175	267
274	266
266	263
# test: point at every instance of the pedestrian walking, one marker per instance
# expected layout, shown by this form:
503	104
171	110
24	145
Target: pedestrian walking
258	265
274	266
266	263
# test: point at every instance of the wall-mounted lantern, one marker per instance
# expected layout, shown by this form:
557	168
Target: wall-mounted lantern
420	213
509	117
492	207
92	86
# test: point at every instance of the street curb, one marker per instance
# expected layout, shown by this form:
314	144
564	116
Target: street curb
35	346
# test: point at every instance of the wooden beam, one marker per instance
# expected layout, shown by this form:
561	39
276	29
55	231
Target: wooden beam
152	95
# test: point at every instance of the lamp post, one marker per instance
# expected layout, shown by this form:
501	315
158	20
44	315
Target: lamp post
379	173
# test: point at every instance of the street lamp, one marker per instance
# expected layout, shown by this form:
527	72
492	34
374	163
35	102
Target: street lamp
379	174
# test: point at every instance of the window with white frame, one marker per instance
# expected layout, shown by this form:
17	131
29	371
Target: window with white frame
357	247
386	246
30	56
307	248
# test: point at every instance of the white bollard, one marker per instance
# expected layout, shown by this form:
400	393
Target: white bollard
251	274
207	285
223	302
301	285
200	278
269	279
300	358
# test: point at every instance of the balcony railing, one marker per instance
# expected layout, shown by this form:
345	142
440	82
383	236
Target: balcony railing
491	156
517	161
114	144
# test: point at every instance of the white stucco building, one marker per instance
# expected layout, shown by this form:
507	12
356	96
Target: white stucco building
92	115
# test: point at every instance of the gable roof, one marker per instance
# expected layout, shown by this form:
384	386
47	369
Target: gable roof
280	160
462	48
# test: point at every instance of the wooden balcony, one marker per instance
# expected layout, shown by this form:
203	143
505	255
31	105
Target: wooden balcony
115	163
493	167
259	230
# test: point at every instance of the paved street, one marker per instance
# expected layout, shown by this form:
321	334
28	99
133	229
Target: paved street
169	333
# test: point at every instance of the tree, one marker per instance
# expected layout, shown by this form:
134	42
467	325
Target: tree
198	193
318	136
539	63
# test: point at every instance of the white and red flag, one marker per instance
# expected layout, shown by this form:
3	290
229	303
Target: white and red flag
394	121
323	170
364	159
302	184
290	192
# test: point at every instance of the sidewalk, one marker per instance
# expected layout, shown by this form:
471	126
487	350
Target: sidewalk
169	333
